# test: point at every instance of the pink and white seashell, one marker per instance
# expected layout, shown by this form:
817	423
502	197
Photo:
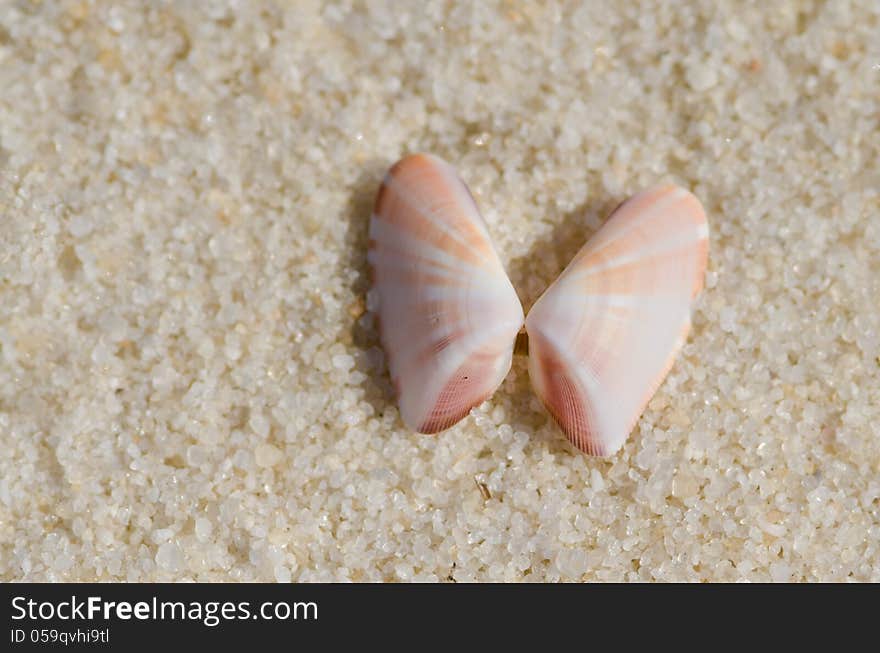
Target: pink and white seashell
605	334
448	314
601	339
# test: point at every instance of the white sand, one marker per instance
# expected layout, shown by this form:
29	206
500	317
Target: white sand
189	389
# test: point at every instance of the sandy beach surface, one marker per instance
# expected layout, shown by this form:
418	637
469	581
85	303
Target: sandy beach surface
191	384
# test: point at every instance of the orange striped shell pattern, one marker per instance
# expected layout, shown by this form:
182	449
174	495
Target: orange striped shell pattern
601	338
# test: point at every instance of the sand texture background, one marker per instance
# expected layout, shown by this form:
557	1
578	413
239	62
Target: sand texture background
191	386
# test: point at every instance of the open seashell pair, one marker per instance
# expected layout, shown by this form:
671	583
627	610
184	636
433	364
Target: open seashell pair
601	338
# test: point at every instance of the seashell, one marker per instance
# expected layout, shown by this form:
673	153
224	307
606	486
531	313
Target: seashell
448	314
605	334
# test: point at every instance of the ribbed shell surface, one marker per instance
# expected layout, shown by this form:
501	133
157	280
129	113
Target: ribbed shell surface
605	334
448	314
